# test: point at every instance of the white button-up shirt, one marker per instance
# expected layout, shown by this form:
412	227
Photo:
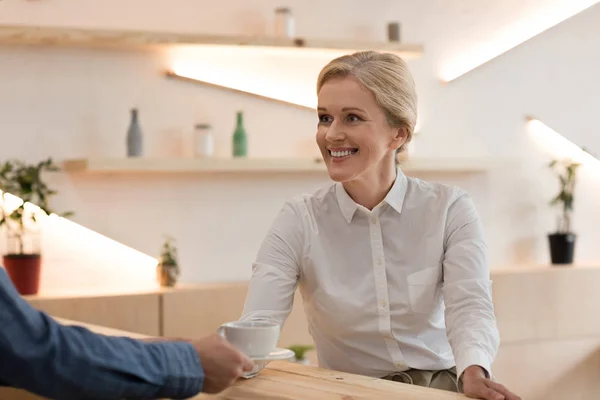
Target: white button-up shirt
405	285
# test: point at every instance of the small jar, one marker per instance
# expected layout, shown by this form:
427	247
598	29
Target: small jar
284	22
393	30
204	142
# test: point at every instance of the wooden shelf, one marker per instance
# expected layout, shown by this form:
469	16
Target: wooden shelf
61	36
253	165
195	165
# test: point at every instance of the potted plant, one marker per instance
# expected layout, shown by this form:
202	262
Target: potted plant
562	242
22	258
300	353
167	270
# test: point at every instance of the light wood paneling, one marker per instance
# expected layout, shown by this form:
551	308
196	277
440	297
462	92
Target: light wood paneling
129	312
551	369
547	303
198	311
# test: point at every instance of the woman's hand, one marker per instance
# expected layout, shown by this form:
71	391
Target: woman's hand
477	386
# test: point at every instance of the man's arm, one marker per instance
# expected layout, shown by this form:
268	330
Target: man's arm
69	362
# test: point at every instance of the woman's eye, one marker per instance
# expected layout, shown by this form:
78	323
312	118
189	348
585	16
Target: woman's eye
354	118
325	119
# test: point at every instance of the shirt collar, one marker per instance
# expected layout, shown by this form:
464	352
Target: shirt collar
395	197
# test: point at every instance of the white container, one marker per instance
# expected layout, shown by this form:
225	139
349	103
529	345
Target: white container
204	142
284	22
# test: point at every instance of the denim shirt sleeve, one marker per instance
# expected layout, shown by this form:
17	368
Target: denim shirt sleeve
69	362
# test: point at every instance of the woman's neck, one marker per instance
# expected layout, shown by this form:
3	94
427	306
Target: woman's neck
370	189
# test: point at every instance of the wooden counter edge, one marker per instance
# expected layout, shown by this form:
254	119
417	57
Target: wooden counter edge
322	376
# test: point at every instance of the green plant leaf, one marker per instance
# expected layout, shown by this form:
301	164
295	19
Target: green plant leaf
300	350
25	181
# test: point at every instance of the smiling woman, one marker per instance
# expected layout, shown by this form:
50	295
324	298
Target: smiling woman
393	270
364	117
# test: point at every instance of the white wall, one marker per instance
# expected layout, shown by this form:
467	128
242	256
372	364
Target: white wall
75	102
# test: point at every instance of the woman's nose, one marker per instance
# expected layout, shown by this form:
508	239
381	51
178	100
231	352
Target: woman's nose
334	133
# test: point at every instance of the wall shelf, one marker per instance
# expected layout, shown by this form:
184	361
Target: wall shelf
193	165
64	36
254	165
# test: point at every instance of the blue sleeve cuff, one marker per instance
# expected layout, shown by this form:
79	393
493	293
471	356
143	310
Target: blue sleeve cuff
186	377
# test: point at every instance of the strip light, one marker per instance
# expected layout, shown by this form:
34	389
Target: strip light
557	145
276	74
512	36
82	261
285	74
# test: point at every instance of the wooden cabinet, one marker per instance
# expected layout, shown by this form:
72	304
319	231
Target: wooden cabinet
550	333
135	312
198	311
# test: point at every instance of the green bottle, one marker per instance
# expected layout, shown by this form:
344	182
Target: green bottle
240	144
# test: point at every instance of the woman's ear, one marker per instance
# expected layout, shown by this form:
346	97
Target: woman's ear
401	135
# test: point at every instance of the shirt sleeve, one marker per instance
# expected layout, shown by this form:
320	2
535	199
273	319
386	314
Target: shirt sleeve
276	271
69	362
470	320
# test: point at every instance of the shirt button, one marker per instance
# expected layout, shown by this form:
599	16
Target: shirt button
373	220
383	304
399	365
379	262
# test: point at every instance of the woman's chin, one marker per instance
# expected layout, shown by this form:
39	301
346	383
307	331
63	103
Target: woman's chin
340	174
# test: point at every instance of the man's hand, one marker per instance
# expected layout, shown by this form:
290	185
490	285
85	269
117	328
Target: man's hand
221	362
477	386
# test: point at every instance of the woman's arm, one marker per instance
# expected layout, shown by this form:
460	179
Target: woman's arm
276	272
470	320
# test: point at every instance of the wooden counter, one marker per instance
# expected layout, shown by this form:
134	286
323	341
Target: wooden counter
547	317
289	381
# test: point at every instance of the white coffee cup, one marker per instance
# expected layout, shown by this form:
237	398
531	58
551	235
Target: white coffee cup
255	339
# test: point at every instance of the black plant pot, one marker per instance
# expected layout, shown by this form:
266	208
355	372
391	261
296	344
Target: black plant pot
562	247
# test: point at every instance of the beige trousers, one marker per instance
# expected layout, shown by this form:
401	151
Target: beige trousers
444	379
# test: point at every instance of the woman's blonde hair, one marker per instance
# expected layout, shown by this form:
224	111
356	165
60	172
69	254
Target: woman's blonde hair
387	77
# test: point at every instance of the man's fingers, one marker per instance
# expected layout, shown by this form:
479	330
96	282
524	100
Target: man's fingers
501	389
248	364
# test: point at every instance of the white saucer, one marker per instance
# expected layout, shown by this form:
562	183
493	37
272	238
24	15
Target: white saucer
277	354
261	362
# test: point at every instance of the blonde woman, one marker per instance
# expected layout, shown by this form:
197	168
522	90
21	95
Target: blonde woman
377	255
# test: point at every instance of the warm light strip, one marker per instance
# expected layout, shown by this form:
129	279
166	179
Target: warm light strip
556	145
512	36
84	261
190	77
259	87
10	202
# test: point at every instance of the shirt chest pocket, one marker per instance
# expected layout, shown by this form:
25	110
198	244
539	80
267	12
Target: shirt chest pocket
423	289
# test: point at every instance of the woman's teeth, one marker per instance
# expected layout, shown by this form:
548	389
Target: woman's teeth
343	153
